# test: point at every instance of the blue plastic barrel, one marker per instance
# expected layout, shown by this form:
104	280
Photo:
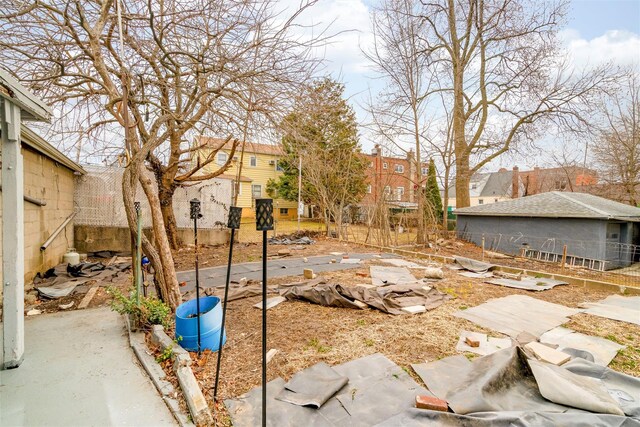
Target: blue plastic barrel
210	324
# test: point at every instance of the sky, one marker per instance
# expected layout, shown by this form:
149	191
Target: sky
596	30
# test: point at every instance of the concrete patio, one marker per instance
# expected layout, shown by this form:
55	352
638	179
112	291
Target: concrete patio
79	370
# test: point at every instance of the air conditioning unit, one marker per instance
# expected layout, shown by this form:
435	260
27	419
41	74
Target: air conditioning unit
272	162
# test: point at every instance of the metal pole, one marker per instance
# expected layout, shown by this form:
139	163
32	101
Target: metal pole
264	328
264	222
195	214
235	214
138	270
299	189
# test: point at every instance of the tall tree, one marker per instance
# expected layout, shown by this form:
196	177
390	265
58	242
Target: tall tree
432	191
502	64
322	131
618	149
163	72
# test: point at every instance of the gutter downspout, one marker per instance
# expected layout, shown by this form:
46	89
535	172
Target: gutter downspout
57	231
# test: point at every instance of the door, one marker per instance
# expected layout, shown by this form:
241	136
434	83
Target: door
613	248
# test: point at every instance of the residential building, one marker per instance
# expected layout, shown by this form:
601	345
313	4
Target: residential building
259	165
598	233
492	187
394	179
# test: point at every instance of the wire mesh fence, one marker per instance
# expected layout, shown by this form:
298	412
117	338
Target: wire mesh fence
98	200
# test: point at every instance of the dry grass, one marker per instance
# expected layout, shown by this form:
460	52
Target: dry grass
306	334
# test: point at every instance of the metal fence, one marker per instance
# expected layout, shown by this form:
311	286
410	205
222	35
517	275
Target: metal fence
98	200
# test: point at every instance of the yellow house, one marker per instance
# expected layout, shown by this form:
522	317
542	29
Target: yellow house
259	164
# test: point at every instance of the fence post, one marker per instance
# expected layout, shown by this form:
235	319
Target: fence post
564	256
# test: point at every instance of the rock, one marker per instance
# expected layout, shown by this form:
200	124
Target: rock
433	273
305	260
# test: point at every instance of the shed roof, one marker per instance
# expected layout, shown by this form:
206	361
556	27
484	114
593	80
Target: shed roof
556	204
36	142
33	108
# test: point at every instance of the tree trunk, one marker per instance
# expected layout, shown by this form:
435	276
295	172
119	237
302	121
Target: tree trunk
460	144
165	195
169	283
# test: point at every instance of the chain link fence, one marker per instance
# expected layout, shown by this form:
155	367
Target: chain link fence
98	200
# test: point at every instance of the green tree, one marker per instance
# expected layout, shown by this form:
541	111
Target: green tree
432	192
322	131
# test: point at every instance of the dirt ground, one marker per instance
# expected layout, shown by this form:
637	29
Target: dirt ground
306	334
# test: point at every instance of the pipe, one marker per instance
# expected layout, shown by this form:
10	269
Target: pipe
57	231
30	199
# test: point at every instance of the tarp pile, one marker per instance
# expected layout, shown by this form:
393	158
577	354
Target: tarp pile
507	387
63	279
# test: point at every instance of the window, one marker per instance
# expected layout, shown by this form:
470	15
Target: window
400	192
480	201
233	189
425	171
474	186
284	211
369	189
385	165
399	168
253	161
256	191
278	167
222	158
387	190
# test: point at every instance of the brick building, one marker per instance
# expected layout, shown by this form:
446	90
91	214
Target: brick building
394	179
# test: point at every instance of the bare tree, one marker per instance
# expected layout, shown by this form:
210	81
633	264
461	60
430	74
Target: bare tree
502	64
164	72
617	150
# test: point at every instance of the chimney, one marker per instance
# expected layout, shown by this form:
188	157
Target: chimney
515	183
534	181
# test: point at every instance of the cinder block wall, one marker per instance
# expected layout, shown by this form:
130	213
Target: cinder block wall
45	179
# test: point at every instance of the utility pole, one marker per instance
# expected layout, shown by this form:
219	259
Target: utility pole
299	190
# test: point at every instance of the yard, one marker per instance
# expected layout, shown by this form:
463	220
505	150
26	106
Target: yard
306	334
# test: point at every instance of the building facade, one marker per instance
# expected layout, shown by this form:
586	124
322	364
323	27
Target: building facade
259	165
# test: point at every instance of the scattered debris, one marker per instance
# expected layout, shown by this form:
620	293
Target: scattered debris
475	275
433	273
431	403
479	343
66	306
399	262
305	260
336	253
415	309
34	312
271	354
333	261
87	298
62	280
271	302
547	354
361	274
291	241
602	350
284	252
350	261
514	314
308	274
182	284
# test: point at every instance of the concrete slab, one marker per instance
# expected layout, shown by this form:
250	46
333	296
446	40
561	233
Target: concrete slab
79	370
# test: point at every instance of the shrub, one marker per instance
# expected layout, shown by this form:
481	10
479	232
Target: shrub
150	311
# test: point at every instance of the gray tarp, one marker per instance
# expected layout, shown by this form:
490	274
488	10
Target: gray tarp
602	350
312	386
377	390
383	276
291	241
617	307
389	299
62	280
473	265
528	283
518	313
507	381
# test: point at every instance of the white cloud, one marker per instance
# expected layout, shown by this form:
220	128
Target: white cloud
619	46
